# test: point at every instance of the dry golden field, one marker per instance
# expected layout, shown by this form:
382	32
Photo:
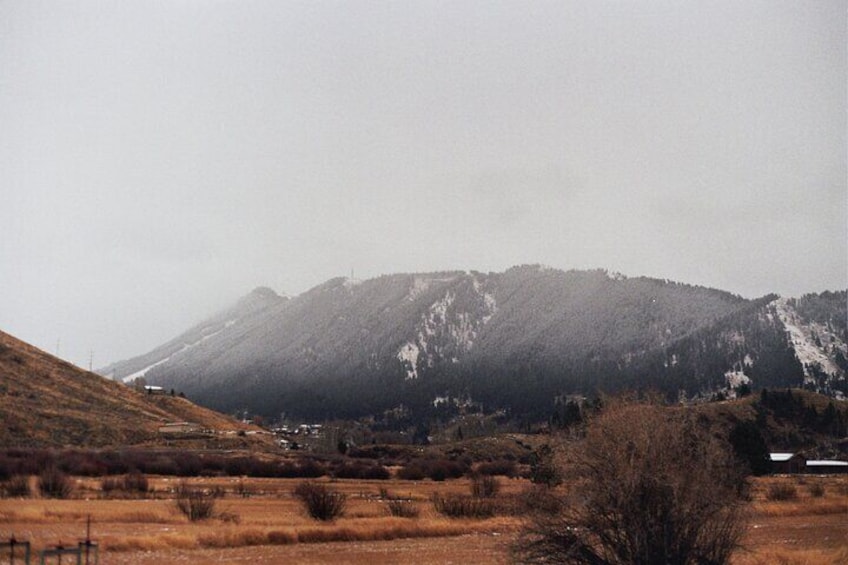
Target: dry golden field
269	526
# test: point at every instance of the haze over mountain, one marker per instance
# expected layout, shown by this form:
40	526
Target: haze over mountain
160	159
512	341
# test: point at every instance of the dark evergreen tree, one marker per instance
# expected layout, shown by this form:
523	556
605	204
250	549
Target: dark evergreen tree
750	447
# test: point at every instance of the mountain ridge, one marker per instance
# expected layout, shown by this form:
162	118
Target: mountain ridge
511	340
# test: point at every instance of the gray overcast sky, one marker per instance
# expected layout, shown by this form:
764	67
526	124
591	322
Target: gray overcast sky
158	160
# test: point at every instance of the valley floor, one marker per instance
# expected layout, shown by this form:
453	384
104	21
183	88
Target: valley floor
270	527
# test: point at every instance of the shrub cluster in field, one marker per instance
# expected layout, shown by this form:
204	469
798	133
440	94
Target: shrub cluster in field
179	463
360	470
319	501
370	465
196	504
51	482
781	491
398	506
479	504
435	469
130	483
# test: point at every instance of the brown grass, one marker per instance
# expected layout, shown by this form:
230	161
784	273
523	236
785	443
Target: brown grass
806	507
832	498
51	403
801	532
794	557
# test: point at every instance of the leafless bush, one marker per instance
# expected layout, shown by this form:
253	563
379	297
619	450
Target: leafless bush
540	499
779	492
503	467
463	506
651	485
110	484
53	483
360	470
320	502
543	468
816	489
484	486
17	486
402	508
244	490
435	469
134	482
195	504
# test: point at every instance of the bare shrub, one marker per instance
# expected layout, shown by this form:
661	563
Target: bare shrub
110	484
402	508
281	537
503	467
229	517
134	482
780	492
651	485
540	499
17	486
434	469
816	489
244	490
411	473
195	504
320	502
399	506
310	468
53	483
484	486
360	470
543	468
462	506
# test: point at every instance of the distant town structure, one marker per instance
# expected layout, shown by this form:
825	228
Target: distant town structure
786	463
827	467
791	463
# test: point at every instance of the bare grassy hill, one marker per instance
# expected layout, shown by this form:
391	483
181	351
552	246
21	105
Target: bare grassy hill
48	402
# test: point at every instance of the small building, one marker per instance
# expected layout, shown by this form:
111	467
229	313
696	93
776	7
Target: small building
787	463
826	466
153	389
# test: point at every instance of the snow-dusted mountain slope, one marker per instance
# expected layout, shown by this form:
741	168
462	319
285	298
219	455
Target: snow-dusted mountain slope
511	340
819	344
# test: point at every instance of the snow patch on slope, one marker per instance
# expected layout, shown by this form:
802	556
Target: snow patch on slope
408	356
808	341
186	347
444	331
141	373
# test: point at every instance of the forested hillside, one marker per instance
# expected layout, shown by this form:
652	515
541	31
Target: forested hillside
513	341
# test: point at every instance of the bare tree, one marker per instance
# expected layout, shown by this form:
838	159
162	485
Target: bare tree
648	485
